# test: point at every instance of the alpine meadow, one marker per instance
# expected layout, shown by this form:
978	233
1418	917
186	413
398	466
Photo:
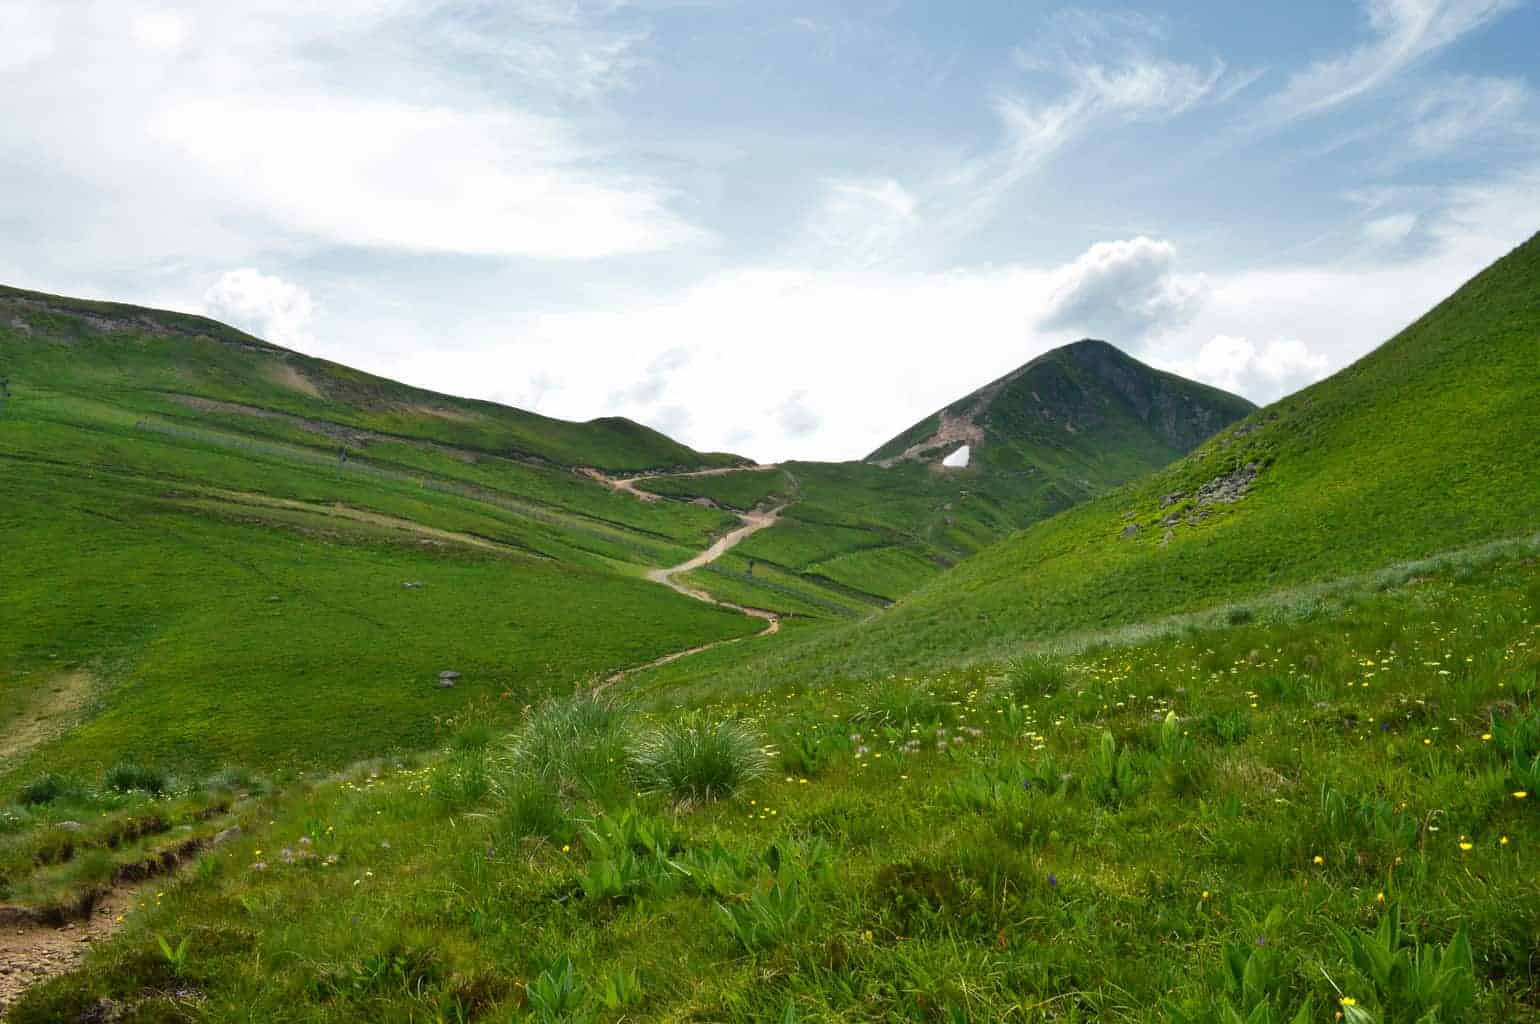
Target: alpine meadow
1191	675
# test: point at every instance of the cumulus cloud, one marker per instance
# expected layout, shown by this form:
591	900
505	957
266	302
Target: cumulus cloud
1262	373
1122	290
1403	32
268	307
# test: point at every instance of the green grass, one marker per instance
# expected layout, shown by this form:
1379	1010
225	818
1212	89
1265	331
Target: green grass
232	590
1424	445
1229	818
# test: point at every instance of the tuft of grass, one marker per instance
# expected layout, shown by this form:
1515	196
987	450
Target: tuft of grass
578	744
50	787
697	759
1034	676
532	808
130	776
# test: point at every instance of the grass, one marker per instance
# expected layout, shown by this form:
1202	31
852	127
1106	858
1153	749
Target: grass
228	586
1250	819
1424	445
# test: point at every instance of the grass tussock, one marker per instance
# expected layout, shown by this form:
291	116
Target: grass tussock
698	758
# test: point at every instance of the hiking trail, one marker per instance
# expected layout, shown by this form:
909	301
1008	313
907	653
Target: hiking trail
750	524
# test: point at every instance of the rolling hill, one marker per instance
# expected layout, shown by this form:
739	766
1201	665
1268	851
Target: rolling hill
1428	443
1072	423
217	550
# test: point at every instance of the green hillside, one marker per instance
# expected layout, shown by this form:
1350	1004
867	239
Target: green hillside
217	550
1071	424
1430	442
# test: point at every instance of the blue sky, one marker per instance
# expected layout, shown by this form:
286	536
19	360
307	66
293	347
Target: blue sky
785	229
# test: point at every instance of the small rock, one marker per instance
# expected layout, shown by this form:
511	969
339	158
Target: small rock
1130	529
220	838
413	584
70	826
446	679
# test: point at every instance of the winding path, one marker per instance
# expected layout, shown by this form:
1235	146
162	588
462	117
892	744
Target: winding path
752	523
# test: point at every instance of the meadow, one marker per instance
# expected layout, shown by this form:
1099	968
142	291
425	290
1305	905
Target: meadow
1287	815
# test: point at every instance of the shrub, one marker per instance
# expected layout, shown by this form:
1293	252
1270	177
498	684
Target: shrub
576	743
47	788
697	759
129	776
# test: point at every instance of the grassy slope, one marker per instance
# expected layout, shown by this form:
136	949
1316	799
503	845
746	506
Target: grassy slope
1428	443
957	847
176	354
1066	427
235	591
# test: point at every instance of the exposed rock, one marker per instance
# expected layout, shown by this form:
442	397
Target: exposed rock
1167	538
1131	529
220	838
446	679
1229	488
413	584
1172	499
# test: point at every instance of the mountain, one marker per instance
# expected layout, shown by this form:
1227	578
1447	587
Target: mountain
1086	408
182	365
217	549
1065	427
1428	443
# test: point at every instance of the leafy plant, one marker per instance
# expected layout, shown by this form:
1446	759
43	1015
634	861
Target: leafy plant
1411	980
767	915
558	993
175	956
1114	778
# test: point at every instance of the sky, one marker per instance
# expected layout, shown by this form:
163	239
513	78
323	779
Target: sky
785	229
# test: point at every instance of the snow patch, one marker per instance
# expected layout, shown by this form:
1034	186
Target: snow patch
958	459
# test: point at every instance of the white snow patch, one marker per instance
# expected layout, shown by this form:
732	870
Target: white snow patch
958	459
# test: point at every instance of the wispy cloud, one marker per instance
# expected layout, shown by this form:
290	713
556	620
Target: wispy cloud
1402	33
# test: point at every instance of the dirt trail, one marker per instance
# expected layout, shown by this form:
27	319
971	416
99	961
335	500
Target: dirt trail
627	484
46	715
33	953
752	522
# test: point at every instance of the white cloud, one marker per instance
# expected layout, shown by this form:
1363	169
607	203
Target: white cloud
1390	230
1122	290
1455	111
268	307
862	222
796	417
402	176
1262	374
197	136
27	33
1404	32
161	30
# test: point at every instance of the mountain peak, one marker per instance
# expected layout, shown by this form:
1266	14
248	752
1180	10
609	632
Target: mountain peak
1087	400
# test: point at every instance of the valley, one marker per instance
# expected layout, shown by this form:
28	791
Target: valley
327	698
